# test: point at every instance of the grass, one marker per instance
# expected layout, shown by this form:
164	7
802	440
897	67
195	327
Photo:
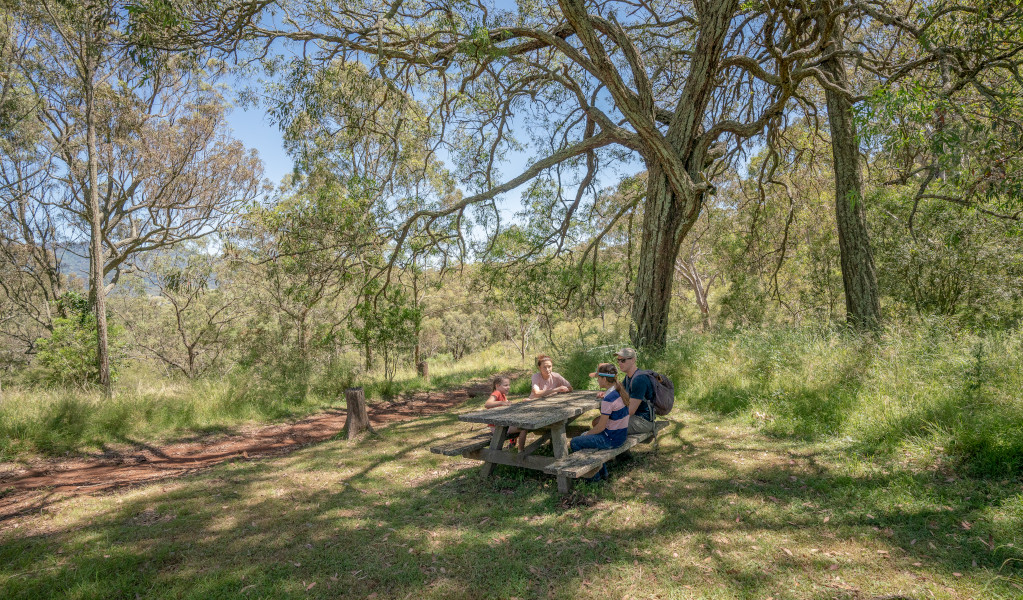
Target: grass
724	510
930	395
938	397
58	421
812	465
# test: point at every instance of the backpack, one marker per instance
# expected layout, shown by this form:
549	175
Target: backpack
664	391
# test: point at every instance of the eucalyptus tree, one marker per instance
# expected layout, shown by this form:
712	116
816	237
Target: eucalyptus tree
577	86
948	70
29	234
131	159
859	276
307	246
947	119
188	321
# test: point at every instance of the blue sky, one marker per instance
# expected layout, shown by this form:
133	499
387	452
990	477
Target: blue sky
253	129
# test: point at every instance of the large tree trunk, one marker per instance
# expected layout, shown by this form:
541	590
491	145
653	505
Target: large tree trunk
663	221
665	224
862	305
97	287
670	211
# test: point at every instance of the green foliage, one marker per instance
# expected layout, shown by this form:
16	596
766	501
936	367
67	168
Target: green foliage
576	366
68	355
480	46
955	263
388	322
933	392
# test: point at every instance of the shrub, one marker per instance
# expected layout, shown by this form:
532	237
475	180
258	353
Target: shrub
68	356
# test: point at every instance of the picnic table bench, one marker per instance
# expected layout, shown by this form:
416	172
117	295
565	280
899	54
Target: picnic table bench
586	462
549	417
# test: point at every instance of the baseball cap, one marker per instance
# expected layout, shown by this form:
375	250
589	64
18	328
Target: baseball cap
626	353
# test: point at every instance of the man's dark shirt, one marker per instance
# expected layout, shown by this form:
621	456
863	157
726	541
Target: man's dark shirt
642	387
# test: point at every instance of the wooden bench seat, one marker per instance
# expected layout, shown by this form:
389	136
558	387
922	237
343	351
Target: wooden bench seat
586	462
463	445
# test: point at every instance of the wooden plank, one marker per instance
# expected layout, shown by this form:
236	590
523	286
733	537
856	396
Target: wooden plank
585	461
456	447
496	441
526	461
536	414
559	442
535	444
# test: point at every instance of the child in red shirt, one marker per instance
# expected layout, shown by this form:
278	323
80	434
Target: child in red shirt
499	398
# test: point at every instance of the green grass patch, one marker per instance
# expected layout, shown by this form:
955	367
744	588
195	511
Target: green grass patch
943	398
722	511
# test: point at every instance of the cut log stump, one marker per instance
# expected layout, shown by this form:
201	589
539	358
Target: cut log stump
358	418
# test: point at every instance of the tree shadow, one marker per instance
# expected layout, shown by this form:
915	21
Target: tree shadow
384	516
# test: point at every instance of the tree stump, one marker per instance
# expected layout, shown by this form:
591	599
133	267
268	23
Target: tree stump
424	370
358	419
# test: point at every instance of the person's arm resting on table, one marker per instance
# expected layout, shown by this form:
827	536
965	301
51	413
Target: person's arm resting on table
493	402
564	387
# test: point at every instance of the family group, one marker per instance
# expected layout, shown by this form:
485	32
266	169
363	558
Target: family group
626	406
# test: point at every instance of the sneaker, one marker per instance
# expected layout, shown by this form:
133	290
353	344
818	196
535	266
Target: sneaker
601	475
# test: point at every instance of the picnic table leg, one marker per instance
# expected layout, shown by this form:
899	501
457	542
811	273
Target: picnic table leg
496	443
559	441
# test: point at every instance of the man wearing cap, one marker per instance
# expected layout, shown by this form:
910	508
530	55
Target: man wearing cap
641	393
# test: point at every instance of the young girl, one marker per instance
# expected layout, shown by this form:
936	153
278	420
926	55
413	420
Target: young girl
499	398
611	427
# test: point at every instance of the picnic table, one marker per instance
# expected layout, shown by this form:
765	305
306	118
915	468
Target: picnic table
548	417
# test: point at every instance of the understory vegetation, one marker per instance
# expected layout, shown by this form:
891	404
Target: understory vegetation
931	395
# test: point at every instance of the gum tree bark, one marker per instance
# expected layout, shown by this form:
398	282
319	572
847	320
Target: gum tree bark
862	303
671	210
97	287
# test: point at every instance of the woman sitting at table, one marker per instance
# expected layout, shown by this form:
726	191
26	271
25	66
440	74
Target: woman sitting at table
546	382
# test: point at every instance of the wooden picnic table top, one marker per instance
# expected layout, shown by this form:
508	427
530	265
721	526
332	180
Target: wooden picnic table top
538	413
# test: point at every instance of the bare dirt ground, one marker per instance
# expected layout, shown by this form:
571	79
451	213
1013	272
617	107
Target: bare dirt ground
41	484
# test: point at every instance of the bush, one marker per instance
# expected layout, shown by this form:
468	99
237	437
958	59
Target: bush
68	356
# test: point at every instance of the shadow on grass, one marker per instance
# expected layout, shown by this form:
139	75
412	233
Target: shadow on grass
383	516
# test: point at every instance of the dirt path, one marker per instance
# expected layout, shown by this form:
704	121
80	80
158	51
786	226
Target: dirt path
24	490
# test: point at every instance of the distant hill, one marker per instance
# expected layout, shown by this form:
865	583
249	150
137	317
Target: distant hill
74	261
